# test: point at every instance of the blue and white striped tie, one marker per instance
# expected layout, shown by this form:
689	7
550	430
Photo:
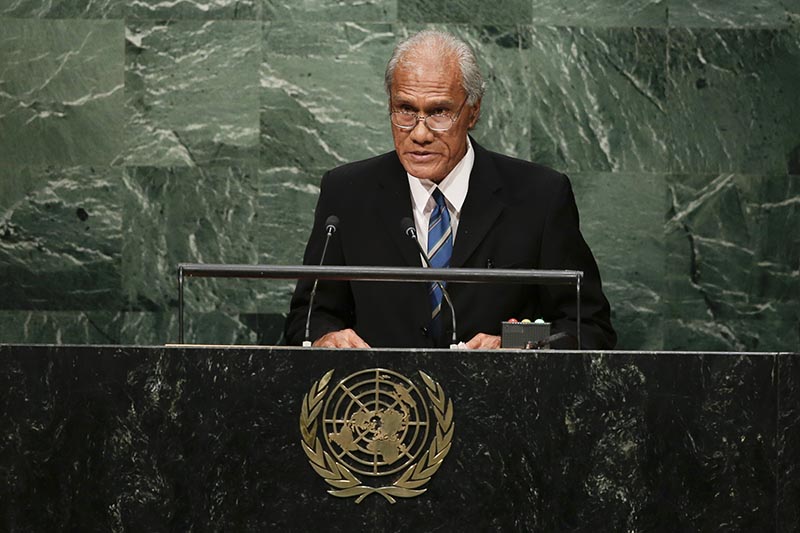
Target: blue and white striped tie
440	248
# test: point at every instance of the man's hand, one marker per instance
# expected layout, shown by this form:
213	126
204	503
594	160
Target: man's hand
344	338
482	341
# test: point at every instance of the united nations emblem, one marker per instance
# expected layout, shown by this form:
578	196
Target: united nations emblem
376	423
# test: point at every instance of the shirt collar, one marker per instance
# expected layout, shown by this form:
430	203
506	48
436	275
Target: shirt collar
454	186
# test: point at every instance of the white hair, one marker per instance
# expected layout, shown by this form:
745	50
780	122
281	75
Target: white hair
443	44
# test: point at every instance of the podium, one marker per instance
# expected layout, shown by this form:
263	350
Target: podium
210	438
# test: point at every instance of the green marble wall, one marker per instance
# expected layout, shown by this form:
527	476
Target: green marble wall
135	134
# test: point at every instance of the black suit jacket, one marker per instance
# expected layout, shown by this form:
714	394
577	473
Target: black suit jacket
516	214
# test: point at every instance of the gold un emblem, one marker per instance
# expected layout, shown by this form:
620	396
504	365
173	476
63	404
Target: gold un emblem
376	424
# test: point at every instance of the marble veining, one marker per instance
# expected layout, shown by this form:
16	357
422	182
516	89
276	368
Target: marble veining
307	121
62	9
728	94
464	11
730	270
331	10
40	223
203	216
579	124
61	90
609	13
194	9
732	14
631	257
136	135
191	93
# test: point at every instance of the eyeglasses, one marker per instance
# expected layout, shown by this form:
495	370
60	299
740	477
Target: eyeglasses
406	120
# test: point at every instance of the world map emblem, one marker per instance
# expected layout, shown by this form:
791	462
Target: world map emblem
378	425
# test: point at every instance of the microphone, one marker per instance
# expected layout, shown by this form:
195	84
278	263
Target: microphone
411	231
331	225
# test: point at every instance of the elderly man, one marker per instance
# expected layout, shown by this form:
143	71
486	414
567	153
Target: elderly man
471	207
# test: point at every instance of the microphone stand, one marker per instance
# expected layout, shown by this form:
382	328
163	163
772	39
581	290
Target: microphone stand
410	230
330	227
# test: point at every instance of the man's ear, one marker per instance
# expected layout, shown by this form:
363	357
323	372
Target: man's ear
475	113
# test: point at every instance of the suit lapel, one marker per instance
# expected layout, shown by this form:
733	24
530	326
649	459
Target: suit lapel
481	207
393	203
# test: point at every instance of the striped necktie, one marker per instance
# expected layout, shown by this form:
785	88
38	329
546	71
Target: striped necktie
440	248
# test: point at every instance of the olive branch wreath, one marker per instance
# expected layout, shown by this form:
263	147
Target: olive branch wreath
346	485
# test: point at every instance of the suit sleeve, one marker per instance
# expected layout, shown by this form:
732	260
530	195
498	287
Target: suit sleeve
333	303
563	247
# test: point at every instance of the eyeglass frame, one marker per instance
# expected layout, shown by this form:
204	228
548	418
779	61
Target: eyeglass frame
425	118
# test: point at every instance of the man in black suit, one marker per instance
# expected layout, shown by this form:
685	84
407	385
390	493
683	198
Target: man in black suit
498	212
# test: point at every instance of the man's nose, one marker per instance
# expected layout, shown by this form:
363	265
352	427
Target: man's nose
421	133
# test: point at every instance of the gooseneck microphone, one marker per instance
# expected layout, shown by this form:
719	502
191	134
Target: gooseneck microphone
411	231
331	225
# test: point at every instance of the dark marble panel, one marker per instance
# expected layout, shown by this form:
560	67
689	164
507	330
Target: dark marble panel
794	162
62	9
493	452
191	91
609	13
710	421
732	262
187	439
592	433
194	9
788	512
728	14
622	220
61	86
353	11
51	496
60	238
599	99
733	100
604	441
464	11
128	451
200	215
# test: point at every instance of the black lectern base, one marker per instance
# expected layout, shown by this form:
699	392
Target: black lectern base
153	439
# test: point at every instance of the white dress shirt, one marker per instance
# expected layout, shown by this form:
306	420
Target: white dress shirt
454	187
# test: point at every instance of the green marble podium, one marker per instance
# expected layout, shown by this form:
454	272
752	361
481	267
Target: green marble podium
122	438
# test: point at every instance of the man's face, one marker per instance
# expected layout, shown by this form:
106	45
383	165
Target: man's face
426	86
